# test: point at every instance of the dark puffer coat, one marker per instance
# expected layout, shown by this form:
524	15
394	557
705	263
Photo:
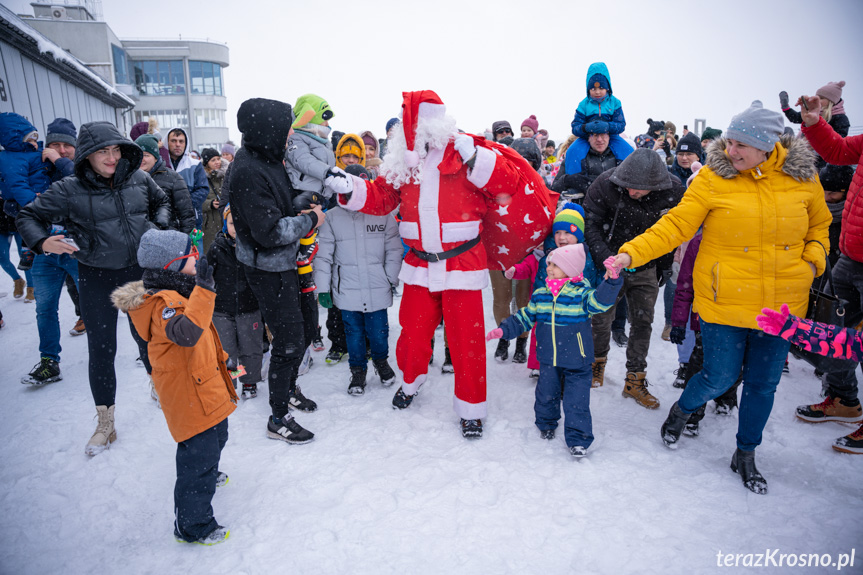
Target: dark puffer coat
259	191
612	217
173	184
592	166
106	218
233	294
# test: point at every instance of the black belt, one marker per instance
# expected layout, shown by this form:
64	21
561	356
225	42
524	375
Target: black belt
458	250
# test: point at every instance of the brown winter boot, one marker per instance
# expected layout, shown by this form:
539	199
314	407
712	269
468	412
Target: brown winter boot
104	434
635	387
18	288
30	297
598	372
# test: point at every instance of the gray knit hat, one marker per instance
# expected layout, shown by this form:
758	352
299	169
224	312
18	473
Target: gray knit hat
149	144
643	169
158	247
756	127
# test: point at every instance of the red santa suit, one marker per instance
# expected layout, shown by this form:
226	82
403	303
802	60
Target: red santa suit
441	212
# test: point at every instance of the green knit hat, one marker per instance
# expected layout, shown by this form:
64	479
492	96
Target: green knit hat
311	109
570	219
149	144
710	134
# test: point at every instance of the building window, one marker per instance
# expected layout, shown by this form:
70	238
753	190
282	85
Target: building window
167	119
206	78
121	65
159	77
210	118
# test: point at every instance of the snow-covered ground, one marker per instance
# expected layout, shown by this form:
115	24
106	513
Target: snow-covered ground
384	491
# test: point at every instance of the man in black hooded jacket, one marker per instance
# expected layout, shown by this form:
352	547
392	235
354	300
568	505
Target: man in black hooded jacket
268	237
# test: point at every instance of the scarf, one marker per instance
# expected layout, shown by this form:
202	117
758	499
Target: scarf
836	210
155	280
555	285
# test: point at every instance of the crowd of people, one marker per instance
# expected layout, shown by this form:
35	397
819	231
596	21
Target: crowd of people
223	263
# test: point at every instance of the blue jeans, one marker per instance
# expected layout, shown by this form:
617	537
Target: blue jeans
574	387
726	350
358	325
8	266
49	276
668	299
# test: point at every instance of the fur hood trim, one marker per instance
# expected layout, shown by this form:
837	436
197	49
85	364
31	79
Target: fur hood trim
129	296
799	159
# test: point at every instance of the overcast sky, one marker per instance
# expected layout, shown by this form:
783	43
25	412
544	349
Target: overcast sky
506	59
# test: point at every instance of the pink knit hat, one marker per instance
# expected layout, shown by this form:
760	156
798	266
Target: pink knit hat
533	123
832	91
568	258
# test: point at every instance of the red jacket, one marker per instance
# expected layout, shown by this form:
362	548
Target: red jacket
843	152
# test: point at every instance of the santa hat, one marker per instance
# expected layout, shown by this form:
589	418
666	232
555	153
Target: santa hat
417	106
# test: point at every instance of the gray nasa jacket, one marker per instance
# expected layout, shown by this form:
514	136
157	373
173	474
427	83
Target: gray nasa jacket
307	160
359	259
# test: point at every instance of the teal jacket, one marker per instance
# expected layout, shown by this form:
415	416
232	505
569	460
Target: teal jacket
563	334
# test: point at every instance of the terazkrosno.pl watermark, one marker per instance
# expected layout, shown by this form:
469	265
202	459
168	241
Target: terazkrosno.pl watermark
774	558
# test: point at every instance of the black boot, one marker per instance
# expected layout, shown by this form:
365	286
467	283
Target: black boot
520	355
401	400
743	462
673	426
357	385
471	428
384	371
447	362
502	351
691	428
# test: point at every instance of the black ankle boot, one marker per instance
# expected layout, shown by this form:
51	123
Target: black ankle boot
520	355
743	462
673	426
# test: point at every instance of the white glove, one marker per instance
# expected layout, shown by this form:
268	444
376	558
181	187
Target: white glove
465	147
510	273
675	271
338	181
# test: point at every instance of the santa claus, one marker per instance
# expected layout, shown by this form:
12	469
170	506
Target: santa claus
443	185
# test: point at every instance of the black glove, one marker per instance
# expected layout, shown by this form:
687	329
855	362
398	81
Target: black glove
204	274
663	276
783	99
305	200
335	172
678	334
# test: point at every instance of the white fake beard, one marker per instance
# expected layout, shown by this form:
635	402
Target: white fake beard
436	133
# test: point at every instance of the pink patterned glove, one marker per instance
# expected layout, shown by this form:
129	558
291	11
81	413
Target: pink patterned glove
772	321
613	272
496	333
510	273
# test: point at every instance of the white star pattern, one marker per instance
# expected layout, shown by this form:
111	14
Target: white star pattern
528	190
545	209
502	227
536	235
503	250
503	211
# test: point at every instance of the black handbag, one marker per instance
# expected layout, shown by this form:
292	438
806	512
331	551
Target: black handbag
825	307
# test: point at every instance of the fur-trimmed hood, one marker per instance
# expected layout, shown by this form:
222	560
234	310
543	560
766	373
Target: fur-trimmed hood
799	160
129	296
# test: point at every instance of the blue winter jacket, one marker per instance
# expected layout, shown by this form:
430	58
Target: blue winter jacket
23	174
563	334
609	111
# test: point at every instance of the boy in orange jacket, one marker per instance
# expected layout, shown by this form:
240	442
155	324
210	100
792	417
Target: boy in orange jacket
172	309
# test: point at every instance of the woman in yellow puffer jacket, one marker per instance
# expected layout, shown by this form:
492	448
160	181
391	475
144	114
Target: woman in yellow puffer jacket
764	240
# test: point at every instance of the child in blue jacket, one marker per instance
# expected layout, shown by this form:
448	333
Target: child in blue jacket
561	310
598	113
23	172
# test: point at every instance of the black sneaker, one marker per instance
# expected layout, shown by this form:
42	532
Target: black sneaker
250	390
680	380
25	262
334	357
520	355
46	371
218	535
401	400
297	400
785	368
222	479
318	341
357	386
502	352
384	371
577	451
471	428
287	429
620	338
447	362
546	433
